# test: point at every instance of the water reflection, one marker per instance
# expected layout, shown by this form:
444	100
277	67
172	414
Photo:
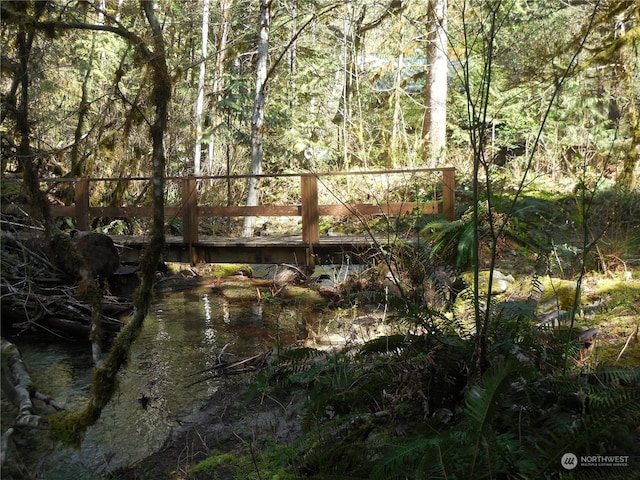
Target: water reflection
183	334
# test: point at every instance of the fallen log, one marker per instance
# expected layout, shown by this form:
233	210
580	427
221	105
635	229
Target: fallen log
17	385
17	380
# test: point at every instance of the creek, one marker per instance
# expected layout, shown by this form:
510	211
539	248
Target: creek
183	334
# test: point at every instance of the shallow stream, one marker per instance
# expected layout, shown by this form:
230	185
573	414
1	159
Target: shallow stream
183	334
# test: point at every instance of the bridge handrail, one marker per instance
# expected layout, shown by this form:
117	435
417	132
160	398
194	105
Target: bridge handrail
309	210
242	176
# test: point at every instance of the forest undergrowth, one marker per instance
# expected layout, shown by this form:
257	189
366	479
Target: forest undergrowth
558	289
562	378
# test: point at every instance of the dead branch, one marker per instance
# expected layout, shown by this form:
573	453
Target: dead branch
230	366
38	296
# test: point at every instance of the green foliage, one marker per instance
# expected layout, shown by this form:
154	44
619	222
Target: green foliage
481	403
384	344
536	216
453	240
329	110
247	462
483	443
399	462
513	331
513	423
290	368
374	108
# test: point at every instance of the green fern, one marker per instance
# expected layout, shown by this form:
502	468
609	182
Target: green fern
615	412
481	403
336	448
384	344
398	461
443	236
464	254
296	357
288	368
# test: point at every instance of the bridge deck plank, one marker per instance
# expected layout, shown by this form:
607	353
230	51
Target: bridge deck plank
264	249
260	241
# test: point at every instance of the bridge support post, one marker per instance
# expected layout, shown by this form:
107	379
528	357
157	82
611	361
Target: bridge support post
449	193
190	217
81	200
310	216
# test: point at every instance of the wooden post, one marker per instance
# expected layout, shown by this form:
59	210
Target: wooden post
81	200
449	193
310	217
190	216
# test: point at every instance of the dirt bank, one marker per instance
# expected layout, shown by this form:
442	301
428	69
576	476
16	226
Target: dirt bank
228	422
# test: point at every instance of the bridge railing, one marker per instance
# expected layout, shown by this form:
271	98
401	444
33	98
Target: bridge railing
190	210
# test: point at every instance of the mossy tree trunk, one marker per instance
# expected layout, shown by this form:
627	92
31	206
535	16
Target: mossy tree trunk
71	426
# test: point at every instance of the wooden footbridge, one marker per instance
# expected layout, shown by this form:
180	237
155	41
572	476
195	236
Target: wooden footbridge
307	247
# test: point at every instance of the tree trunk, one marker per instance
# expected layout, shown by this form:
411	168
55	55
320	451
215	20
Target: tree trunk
627	176
397	127
161	96
24	43
434	127
200	99
71	426
218	76
16	383
346	88
257	127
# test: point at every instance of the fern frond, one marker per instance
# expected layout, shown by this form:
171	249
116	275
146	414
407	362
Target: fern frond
439	227
338	447
400	460
302	354
537	287
481	404
611	411
385	344
465	245
618	376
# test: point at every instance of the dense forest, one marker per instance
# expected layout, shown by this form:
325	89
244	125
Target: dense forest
535	103
344	85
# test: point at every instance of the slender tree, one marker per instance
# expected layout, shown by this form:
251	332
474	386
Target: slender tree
201	81
18	105
257	124
434	127
218	76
